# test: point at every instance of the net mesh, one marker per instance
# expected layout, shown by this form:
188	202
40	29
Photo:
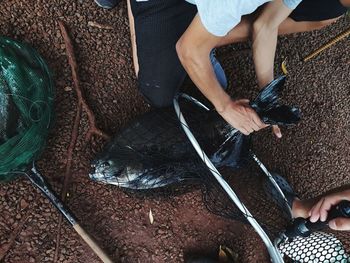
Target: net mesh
154	155
318	247
153	151
26	100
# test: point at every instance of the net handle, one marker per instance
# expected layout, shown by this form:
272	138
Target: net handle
274	253
35	177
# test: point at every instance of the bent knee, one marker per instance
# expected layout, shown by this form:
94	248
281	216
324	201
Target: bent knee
321	24
156	95
316	25
158	102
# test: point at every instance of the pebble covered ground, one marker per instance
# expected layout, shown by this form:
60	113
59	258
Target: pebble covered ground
314	155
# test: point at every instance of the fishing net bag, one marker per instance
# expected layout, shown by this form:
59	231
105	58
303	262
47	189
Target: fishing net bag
26	102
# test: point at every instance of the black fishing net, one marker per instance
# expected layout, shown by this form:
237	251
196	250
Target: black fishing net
26	102
154	153
248	183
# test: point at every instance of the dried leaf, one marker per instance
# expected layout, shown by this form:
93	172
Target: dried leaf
150	215
227	255
284	67
222	255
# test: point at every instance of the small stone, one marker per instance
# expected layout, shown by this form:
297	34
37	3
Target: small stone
23	204
120	12
160	232
324	125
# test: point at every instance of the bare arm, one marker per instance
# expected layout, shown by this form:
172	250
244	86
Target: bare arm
193	49
345	3
265	31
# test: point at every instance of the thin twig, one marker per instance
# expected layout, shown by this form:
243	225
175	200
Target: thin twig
4	249
93	130
67	177
58	239
81	100
327	45
98	25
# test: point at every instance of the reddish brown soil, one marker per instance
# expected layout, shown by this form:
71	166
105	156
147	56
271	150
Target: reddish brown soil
314	155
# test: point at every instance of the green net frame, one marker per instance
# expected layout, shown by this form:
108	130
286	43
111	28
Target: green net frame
26	99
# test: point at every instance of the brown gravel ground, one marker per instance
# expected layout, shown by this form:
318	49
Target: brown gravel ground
314	155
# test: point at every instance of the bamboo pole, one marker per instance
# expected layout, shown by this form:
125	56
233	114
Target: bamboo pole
327	45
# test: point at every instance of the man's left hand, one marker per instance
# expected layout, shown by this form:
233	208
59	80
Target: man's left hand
276	131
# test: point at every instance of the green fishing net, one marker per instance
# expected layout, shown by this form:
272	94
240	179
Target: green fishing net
26	103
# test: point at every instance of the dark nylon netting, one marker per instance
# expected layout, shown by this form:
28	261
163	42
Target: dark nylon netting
153	151
153	156
248	183
26	98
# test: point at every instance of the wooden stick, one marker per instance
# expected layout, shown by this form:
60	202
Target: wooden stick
7	246
76	81
327	45
93	130
67	174
35	177
92	244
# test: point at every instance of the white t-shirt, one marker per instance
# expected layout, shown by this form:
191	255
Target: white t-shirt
220	16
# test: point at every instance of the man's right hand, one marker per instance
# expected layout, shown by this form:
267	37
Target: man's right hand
241	116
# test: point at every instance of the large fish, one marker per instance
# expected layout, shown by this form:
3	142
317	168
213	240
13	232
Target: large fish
153	150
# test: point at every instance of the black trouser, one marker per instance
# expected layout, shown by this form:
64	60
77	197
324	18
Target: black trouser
159	24
318	10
